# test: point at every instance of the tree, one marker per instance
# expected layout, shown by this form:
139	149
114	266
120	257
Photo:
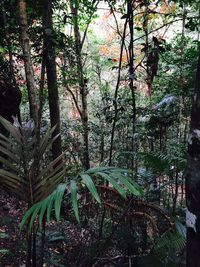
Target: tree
25	44
131	92
50	63
82	82
193	180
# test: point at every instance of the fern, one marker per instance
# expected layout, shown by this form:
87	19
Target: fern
172	242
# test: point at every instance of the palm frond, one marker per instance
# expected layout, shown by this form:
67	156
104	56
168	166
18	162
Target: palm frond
18	158
87	180
12	130
116	177
46	206
74	190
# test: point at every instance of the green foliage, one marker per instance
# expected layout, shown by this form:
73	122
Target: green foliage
3	251
45	208
168	251
25	171
115	176
155	148
169	244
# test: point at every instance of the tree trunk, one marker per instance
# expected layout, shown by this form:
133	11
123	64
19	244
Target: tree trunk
193	181
130	6
50	63
25	44
82	84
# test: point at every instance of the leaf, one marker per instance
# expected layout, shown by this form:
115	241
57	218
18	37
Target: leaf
113	182
43	209
13	176
125	16
27	215
50	166
45	205
74	200
180	228
35	212
138	28
4	251
97	169
9	154
43	179
172	241
45	143
8	164
7	145
58	199
11	129
130	185
49	187
106	169
91	187
8	140
15	188
49	208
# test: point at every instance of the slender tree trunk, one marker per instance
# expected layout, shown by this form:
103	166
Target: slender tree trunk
146	33
116	94
193	181
82	84
50	63
132	87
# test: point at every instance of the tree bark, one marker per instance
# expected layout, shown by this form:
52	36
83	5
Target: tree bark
193	180
50	63
25	44
82	84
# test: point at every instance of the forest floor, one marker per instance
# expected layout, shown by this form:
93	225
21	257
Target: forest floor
66	243
11	239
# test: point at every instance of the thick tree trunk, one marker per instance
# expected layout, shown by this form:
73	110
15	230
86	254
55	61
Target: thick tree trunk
50	62
25	44
193	181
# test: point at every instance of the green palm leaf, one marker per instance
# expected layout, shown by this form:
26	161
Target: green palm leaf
58	199
113	183
130	185
90	185
74	190
54	200
47	205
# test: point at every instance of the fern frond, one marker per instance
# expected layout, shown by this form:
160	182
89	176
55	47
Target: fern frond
169	242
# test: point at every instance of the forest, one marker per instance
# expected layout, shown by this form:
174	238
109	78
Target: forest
99	133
